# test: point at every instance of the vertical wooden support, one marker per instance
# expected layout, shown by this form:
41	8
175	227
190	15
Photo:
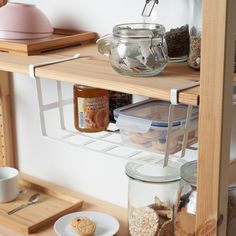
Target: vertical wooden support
6	131
219	19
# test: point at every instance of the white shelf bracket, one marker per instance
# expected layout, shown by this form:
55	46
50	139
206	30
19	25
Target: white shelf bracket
175	92
43	107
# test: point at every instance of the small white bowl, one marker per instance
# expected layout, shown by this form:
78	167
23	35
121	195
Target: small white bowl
23	21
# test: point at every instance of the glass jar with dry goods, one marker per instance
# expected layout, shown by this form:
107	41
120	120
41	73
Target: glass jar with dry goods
91	108
152	196
195	30
187	201
177	35
136	49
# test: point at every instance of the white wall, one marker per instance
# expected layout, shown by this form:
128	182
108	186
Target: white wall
86	171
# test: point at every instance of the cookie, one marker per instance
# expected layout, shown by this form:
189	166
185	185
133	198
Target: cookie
75	221
85	227
166	229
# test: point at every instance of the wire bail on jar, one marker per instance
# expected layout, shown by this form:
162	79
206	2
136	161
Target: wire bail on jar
148	7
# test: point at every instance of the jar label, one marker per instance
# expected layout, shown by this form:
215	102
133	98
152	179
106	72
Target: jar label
93	112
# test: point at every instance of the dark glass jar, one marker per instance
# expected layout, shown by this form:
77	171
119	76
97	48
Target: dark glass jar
116	100
91	109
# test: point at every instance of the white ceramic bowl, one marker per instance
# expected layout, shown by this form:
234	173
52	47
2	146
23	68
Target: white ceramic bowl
23	21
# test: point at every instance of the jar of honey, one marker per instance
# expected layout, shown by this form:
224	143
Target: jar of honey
91	108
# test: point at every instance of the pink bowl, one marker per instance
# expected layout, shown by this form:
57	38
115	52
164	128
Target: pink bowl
23	21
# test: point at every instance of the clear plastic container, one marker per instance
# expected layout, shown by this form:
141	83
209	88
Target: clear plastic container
136	49
152	197
186	206
145	125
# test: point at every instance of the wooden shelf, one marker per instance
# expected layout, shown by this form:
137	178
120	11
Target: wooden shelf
93	69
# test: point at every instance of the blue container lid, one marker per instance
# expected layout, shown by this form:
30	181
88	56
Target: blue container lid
155	111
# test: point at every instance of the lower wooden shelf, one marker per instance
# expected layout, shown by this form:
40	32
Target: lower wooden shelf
90	203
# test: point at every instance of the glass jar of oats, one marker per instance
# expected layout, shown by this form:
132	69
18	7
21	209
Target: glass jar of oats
152	196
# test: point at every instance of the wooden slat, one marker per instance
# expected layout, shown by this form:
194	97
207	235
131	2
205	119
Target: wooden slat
6	129
215	115
94	70
60	39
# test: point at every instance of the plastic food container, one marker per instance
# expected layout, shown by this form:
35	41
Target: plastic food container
152	197
145	125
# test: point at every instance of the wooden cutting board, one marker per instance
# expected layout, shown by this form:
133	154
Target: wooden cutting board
60	39
55	202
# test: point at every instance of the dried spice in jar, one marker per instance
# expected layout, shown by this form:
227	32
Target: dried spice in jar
195	31
194	59
91	109
178	43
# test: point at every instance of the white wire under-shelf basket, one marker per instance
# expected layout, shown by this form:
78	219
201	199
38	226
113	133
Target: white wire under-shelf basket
105	142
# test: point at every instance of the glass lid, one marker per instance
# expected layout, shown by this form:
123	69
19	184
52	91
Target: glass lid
155	173
189	172
138	30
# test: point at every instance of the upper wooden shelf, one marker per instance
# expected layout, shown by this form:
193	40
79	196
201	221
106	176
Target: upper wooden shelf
94	70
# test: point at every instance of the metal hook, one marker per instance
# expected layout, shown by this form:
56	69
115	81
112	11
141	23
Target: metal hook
147	10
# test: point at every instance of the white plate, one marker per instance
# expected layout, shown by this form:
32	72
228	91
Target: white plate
106	225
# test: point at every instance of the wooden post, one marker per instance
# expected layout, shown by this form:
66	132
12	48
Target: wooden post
219	18
6	131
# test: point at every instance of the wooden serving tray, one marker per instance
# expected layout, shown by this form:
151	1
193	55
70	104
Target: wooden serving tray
61	38
55	202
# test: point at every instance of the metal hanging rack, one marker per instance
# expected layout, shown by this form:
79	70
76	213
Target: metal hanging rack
109	141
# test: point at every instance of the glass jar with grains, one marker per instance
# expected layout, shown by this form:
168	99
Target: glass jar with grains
152	196
91	109
187	202
177	35
195	27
